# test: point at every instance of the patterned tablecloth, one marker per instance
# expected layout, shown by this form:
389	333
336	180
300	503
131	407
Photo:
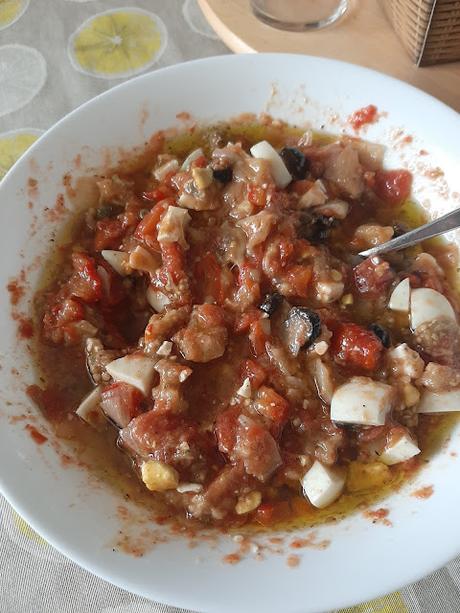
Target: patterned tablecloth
54	55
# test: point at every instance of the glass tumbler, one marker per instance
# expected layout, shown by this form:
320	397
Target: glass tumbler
299	15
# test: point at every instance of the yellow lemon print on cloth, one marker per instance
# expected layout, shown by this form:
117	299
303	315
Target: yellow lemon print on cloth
13	145
11	11
393	603
118	43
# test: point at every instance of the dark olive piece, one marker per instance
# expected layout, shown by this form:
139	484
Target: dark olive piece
381	334
223	175
108	210
295	162
271	302
309	317
316	228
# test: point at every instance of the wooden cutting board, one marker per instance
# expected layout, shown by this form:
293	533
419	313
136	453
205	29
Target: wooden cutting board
363	36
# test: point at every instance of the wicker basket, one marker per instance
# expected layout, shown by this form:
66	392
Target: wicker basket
428	29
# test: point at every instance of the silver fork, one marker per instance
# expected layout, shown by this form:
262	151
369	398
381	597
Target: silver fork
443	224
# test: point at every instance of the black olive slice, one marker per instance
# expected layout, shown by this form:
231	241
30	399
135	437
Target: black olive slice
295	161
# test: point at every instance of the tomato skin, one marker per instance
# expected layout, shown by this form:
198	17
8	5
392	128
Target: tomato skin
393	186
363	116
355	347
254	372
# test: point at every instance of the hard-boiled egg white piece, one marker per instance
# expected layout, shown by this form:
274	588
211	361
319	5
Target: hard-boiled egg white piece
135	369
400	297
427	304
362	401
322	485
265	151
440	402
118	260
89	409
400	450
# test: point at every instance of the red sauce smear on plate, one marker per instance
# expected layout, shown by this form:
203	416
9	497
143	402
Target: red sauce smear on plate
36	435
361	117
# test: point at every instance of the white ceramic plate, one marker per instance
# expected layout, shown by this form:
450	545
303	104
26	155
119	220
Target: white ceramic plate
363	560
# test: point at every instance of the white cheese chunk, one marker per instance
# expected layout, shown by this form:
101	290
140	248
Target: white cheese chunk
137	370
400	298
184	488
440	402
89	409
399	451
118	260
362	401
322	485
280	173
428	304
141	259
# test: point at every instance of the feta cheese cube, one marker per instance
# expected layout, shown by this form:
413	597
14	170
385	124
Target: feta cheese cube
245	390
440	402
157	300
136	369
400	298
362	401
322	485
427	304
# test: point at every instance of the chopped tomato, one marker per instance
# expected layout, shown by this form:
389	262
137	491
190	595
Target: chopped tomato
256	449
257	196
254	372
246	319
211	314
57	318
147	230
225	429
157	194
121	402
363	116
393	186
113	291
85	283
270	513
373	277
199	162
355	347
258	336
173	261
272	406
209	278
248	281
296	280
108	234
